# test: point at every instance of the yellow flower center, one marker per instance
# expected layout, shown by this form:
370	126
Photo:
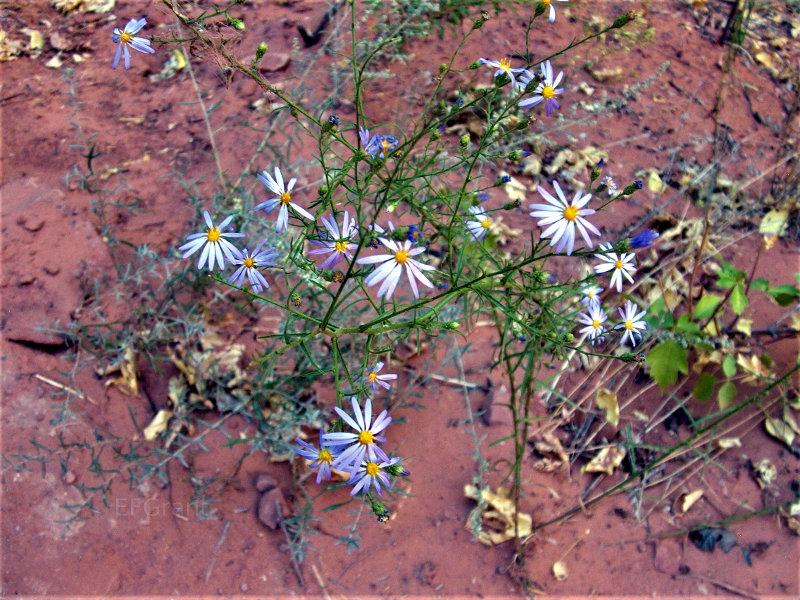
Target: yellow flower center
341	246
366	438
618	264
548	92
629	324
249	262
125	37
372	377
386	145
596	324
571	213
325	456
286	197
545	3
401	256
505	64
485	223
213	234
372	469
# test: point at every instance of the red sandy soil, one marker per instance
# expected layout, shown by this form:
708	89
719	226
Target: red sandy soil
150	539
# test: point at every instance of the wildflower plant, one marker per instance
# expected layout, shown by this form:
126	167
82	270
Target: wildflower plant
348	284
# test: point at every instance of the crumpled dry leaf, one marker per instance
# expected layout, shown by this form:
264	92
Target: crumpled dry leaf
515	189
498	516
685	502
754	367
9	49
765	473
127	382
35	41
703	358
784	430
158	425
608	459
607	400
549	448
503	232
792	515
654	183
96	6
729	442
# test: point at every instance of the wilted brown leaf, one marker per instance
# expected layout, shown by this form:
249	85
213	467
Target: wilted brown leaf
499	516
608	459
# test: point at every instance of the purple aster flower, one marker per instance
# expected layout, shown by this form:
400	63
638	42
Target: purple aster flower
547	89
362	444
374	380
377	145
372	474
632	323
504	66
215	247
561	218
321	458
337	241
249	263
125	38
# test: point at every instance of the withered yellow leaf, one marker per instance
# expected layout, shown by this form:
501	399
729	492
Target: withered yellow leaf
607	400
608	459
158	425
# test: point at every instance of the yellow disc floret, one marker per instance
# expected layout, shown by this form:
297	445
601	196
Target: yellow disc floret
618	264
249	263
548	92
286	197
125	37
505	64
366	438
629	324
341	247
213	234
325	456
595	324
485	223
372	376
570	213
401	256
372	469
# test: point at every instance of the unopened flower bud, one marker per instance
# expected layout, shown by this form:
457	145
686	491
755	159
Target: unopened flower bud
237	24
463	141
515	156
623	20
322	191
261	50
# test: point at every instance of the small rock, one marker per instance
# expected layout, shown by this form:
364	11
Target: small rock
275	62
69	477
272	508
265	482
30	223
51	270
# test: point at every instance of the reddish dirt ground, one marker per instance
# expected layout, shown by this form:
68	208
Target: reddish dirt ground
151	540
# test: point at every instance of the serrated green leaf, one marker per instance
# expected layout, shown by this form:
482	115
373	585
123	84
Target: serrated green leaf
738	299
726	394
729	366
666	360
784	294
684	325
706	305
729	275
759	283
704	386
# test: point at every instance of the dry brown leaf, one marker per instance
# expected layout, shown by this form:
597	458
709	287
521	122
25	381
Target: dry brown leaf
158	425
607	400
753	366
515	189
780	430
498	516
549	448
608	459
685	502
765	473
127	382
96	6
730	442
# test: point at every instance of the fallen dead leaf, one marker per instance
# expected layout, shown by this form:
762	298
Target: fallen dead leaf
515	189
685	502
499	516
158	425
608	459
765	473
127	382
607	400
549	448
